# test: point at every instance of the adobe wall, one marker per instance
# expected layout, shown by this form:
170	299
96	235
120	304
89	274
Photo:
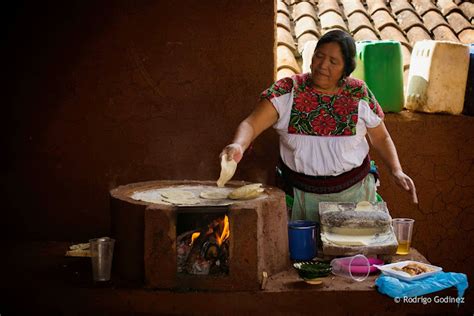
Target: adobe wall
109	93
437	151
105	94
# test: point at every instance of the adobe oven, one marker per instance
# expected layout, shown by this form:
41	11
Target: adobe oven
211	247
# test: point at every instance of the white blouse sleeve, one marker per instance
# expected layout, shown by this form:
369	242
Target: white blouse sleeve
283	106
366	114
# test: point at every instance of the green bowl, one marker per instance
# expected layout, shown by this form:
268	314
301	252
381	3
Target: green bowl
312	269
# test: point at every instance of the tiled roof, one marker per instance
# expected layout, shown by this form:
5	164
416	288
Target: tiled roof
407	21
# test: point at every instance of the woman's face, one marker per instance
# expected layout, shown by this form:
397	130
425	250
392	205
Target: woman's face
327	66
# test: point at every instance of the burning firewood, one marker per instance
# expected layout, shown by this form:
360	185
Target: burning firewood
205	250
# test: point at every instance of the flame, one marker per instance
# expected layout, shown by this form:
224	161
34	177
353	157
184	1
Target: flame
194	236
225	232
213	229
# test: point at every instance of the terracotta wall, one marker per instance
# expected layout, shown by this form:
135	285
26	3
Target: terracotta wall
437	151
107	93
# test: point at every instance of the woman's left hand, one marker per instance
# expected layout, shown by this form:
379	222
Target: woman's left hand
406	183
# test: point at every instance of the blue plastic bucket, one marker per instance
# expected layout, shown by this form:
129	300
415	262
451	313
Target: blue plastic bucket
302	239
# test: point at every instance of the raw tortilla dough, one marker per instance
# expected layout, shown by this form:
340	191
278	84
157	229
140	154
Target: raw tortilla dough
343	240
246	192
227	170
364	206
214	194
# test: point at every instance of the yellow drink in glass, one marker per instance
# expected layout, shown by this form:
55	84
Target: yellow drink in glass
403	247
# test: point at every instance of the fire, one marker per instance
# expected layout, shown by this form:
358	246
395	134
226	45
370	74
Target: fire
225	232
193	237
214	228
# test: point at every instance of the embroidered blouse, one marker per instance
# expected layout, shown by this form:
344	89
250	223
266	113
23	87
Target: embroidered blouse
323	134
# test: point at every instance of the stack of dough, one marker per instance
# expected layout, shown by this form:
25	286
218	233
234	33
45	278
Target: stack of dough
246	192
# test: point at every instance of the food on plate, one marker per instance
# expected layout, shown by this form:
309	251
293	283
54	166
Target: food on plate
81	246
227	170
79	250
414	269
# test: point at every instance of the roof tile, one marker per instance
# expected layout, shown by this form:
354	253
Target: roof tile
458	22
400	6
393	33
434	19
306	25
417	33
376	5
365	34
466	36
286	59
408	19
357	21
283	20
284	38
468	9
352	6
304	9
331	19
304	38
327	6
423	6
444	33
302	22
281	7
307	55
383	19
448	6
285	72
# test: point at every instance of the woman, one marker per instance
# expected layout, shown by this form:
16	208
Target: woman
322	119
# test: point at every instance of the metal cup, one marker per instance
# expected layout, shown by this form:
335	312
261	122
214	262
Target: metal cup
102	251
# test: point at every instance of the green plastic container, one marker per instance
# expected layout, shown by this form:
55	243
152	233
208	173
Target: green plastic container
380	65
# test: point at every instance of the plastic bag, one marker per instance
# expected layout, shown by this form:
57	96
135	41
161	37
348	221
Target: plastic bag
394	287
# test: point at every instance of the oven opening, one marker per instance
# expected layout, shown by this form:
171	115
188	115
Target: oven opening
202	241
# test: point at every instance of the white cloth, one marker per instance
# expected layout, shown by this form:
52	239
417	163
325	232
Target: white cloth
322	155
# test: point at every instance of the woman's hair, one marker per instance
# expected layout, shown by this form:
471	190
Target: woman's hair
348	48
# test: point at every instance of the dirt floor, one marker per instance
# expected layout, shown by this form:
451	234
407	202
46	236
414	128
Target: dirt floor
37	278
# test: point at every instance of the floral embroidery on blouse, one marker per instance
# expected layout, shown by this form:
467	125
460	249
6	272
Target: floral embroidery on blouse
320	114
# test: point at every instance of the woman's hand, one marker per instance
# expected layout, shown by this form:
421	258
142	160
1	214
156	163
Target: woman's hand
406	183
233	151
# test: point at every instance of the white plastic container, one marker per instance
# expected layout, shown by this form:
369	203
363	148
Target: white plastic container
437	77
393	270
